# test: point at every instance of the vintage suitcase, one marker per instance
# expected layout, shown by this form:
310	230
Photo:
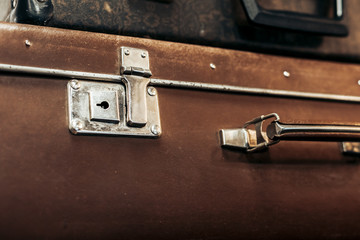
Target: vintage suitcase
73	166
306	28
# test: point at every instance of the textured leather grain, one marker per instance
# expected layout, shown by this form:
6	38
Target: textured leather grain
182	185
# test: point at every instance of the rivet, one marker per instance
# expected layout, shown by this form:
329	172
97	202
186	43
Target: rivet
143	54
212	66
151	91
286	74
77	124
27	43
127	52
358	82
155	129
75	84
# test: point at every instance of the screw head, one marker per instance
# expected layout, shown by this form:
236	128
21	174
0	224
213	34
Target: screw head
212	66
286	74
77	125
143	54
127	52
151	91
27	43
155	129
75	84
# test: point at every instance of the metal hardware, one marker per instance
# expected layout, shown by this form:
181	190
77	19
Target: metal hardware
258	139
100	108
60	73
155	129
104	106
212	66
350	148
136	69
31	11
151	91
75	84
286	74
179	84
27	43
133	62
248	139
14	3
107	108
77	125
339	13
254	91
136	88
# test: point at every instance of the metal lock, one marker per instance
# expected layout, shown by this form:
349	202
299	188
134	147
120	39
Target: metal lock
100	108
104	106
129	107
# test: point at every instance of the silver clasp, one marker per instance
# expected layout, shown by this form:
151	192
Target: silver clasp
135	71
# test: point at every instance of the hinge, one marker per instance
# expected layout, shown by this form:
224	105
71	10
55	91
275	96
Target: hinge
134	61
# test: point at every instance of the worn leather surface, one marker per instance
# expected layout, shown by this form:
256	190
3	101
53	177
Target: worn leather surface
182	185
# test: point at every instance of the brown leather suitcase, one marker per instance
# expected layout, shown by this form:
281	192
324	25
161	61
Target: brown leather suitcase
171	178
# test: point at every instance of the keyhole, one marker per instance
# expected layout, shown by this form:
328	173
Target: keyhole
104	105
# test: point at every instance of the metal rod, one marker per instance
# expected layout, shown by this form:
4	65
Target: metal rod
179	84
59	73
256	91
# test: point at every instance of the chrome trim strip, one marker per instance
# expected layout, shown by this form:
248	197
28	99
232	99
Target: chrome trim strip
179	84
60	73
255	91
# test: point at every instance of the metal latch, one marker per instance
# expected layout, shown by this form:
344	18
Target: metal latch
129	107
135	70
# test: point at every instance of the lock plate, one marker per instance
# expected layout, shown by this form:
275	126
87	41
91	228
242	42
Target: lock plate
104	106
100	108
